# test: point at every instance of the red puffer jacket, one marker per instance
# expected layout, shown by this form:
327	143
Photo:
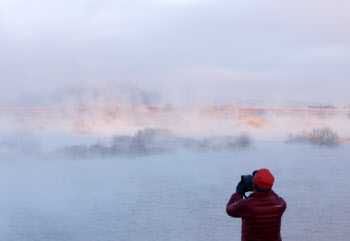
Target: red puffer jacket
261	215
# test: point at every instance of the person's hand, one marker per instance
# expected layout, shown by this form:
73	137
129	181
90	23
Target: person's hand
241	188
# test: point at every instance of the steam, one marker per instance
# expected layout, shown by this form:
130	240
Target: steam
22	143
131	121
111	119
116	129
156	141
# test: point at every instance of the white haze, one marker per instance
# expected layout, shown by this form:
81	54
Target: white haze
160	143
186	51
70	175
199	121
169	196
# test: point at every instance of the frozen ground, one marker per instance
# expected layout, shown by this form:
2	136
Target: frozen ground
178	196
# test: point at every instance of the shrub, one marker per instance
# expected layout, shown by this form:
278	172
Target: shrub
244	140
324	136
318	136
155	141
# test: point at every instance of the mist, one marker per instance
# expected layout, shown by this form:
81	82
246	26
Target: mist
119	171
143	172
166	195
107	119
134	120
185	52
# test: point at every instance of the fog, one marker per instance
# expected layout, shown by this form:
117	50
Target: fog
169	196
182	51
133	120
115	179
196	121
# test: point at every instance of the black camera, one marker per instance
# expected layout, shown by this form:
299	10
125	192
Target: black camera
247	180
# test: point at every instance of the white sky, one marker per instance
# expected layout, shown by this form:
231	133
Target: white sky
183	51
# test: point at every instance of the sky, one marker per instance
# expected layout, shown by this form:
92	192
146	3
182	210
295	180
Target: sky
174	51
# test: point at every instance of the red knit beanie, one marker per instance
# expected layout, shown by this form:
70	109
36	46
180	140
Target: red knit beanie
264	179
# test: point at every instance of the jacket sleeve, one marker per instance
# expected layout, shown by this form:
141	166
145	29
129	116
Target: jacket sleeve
236	206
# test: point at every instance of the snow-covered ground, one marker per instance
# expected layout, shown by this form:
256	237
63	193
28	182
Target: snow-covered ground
172	196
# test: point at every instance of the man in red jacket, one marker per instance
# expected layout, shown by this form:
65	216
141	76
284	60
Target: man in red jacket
261	211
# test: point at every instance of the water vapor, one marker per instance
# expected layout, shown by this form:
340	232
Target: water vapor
156	141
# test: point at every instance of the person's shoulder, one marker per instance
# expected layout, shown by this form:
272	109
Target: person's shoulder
279	201
277	197
272	193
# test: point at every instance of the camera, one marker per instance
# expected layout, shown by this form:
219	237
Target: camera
247	180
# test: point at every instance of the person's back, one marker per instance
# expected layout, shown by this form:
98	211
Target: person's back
261	213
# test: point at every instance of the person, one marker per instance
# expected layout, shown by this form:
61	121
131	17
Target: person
261	211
